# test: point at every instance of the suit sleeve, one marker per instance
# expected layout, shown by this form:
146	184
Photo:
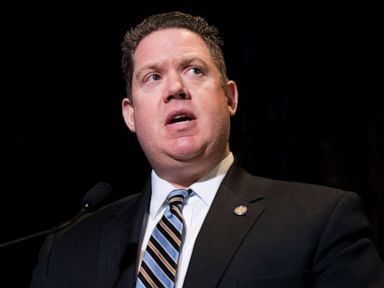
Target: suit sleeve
346	256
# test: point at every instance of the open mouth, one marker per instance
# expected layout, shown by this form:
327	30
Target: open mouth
179	117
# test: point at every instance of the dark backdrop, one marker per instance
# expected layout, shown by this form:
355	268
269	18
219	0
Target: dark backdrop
311	106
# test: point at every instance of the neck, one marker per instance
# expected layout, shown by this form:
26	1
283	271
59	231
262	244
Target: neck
183	175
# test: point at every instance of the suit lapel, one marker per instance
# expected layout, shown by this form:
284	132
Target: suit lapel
223	230
119	244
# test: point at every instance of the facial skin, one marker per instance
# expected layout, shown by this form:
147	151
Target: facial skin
174	76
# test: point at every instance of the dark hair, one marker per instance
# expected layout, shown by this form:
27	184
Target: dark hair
196	24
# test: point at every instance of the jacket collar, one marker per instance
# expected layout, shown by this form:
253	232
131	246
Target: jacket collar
224	228
121	236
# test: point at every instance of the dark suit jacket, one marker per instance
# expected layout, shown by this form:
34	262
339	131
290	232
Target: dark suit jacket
293	235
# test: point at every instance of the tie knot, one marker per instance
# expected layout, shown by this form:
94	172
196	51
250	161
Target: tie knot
177	197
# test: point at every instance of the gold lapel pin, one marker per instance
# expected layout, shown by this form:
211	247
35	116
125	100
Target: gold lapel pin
240	210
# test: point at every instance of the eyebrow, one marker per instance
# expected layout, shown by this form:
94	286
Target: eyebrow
146	67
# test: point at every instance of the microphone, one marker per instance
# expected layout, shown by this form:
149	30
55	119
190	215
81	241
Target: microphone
92	201
96	197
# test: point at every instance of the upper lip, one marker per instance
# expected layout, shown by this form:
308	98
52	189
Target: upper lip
179	114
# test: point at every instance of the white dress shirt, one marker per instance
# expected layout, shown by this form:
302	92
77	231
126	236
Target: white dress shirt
194	212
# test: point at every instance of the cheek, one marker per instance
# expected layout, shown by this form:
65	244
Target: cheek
218	115
137	117
143	122
146	123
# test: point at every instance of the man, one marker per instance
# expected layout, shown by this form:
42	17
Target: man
239	230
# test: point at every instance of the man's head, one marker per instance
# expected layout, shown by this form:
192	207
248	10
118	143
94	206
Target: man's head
180	100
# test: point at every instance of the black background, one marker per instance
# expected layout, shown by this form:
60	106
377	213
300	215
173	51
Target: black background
310	108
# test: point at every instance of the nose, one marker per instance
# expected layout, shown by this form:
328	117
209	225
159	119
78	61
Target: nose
176	90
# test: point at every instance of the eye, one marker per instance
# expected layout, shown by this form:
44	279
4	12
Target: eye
153	77
196	70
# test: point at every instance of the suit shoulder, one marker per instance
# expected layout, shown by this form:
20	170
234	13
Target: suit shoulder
117	207
283	189
99	217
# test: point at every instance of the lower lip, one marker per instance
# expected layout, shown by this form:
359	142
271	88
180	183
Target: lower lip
182	125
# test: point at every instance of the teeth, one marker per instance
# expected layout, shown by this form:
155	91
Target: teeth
179	118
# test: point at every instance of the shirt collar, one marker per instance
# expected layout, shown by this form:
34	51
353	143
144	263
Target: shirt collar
205	188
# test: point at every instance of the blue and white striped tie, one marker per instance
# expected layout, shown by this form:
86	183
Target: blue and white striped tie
159	264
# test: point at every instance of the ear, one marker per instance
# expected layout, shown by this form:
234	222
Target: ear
129	114
232	97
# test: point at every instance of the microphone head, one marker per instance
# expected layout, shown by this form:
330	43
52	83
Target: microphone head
96	196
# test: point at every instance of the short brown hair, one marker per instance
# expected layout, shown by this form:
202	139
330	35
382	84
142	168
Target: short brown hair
196	24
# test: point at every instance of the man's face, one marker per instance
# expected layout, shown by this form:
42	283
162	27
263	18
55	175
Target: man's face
179	108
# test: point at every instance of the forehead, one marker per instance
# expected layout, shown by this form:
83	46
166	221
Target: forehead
171	43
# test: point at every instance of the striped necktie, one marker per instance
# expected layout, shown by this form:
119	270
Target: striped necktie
159	264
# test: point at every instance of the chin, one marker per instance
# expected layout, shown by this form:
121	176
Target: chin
186	148
184	155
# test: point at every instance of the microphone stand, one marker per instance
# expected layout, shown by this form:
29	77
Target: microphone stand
82	212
